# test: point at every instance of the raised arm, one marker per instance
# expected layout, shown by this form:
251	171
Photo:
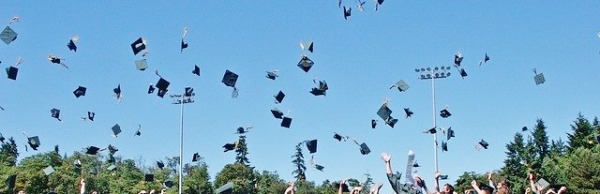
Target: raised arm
475	186
82	188
290	189
340	188
531	178
387	158
490	182
437	182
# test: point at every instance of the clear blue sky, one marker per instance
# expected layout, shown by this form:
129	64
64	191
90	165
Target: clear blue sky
359	58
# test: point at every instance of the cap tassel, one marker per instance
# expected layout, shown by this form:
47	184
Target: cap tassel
19	61
235	92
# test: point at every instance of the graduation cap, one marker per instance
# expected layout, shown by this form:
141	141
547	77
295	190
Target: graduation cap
484	144
431	131
286	122
485	59
8	35
539	78
524	128
242	130
160	164
229	79
48	170
321	90
149	177
486	187
308	46
377	4
111	159
80	91
195	157
117	91
444	146
225	189
111	167
318	167
312	146
463	73
138	46
443	177
112	149
10	183
2	138
373	123
347	12
162	86
138	132
168	184
141	64
384	112
277	113
408	112
305	63
71	45
34	142
116	129
57	60
458	59
11	72
344	186
229	147
92	150
184	44
364	149
450	133
391	121
338	137
196	70
151	89
77	163
279	97
55	113
272	75
91	115
416	165
401	85
445	113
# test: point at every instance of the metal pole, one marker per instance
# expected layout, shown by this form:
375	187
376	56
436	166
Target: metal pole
434	124
181	150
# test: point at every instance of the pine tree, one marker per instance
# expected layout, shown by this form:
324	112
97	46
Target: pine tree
299	163
540	141
582	133
242	150
514	169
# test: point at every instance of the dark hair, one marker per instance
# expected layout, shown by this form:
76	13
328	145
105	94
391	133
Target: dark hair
451	187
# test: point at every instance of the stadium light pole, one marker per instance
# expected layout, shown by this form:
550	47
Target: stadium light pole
433	74
181	99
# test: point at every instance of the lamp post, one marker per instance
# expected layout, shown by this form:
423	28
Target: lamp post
186	97
433	74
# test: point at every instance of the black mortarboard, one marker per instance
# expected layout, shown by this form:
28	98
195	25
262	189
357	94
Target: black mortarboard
196	70
391	121
310	47
71	45
228	147
286	122
160	164
450	133
189	92
141	64
444	146
55	113
151	89
77	163
277	113
8	35
57	60
344	187
138	132
2	138
80	91
347	12
312	146
91	115
445	113
416	165
463	73
458	59
168	184
321	90
432	131
486	187
384	112
443	177
373	123
225	189
111	159
338	137
378	2
524	128
272	75
92	150
116	129
319	167
279	97
11	72
10	183
242	130
408	112
229	78
184	44
112	149
162	86
485	59
539	79
34	142
305	63
401	85
138	46
117	91
484	144
364	149
149	177
195	157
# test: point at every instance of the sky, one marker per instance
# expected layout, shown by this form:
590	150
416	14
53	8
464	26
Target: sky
359	58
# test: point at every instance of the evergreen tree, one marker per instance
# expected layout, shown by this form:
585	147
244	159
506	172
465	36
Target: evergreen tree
582	133
242	150
514	169
9	153
240	175
299	163
540	141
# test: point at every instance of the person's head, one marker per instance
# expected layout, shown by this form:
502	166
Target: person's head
21	192
143	192
448	189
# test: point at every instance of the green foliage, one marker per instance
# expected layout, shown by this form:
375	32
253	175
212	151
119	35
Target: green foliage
299	172
582	134
269	182
241	151
9	153
197	180
239	174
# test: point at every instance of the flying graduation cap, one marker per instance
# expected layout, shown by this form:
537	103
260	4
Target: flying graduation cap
162	86
116	129
160	164
91	115
524	128
321	89
71	45
445	113
34	142
230	79
138	46
138	132
277	113
401	85
112	149
141	64
312	146
408	112
457	59
12	71
279	97
347	12
430	131
315	165
184	43
305	63
286	122
450	133
484	144
242	130
57	60
444	146
360	5
539	78
77	163
462	73
48	170
373	123
385	113
377	4
486	58
80	91
2	138
92	150
308	46
8	35
196	157
339	137
117	92
272	75
196	70
55	113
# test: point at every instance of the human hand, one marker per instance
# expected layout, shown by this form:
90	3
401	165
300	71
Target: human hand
528	190
474	184
489	176
386	157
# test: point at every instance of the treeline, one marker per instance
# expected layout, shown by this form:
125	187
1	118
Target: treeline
574	163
